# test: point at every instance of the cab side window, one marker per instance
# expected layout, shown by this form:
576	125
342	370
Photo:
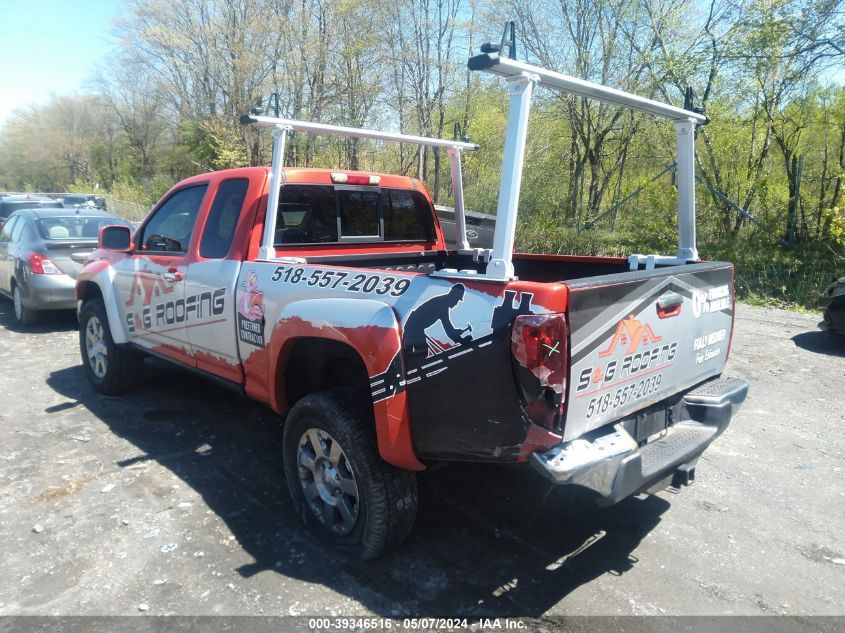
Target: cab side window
223	218
169	230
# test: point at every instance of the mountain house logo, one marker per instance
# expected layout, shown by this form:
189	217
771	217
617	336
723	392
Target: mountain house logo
148	285
632	333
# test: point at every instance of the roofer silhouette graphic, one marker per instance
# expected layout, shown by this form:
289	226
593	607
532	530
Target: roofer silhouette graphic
434	310
505	313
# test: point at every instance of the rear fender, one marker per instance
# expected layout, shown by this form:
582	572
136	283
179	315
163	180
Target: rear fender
101	275
373	331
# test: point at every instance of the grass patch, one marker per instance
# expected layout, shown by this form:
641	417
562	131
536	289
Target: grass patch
762	301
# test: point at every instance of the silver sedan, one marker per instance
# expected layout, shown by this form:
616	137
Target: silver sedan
41	253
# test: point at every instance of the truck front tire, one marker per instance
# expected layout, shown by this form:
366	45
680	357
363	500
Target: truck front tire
110	369
339	485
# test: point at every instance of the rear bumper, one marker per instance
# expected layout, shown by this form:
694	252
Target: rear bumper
49	292
611	463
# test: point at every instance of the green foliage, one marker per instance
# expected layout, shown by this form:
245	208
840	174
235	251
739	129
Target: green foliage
129	191
780	278
167	106
836	217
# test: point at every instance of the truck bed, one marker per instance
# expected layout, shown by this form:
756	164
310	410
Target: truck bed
637	338
538	268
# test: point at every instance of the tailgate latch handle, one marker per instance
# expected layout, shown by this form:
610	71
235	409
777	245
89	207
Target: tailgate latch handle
669	305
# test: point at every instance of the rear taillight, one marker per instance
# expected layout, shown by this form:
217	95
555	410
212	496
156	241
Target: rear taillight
539	345
40	265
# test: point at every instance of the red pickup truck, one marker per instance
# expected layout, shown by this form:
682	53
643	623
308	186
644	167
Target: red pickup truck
331	296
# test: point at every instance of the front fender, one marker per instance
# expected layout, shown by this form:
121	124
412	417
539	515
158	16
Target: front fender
373	330
102	275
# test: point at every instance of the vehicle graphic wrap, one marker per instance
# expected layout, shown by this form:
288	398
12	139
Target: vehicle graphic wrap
342	279
452	346
101	273
146	285
462	396
156	307
214	341
282	307
643	339
251	312
425	329
169	313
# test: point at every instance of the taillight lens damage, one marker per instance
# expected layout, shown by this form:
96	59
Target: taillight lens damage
539	347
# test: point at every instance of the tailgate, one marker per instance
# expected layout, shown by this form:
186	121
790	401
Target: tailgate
639	337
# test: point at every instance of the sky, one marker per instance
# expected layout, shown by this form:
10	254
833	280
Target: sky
50	47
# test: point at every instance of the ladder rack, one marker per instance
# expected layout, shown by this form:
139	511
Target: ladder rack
521	79
281	127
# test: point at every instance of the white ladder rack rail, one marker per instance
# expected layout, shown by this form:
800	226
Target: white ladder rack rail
521	78
281	127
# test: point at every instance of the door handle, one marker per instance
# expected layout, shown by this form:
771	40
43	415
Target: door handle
669	305
173	275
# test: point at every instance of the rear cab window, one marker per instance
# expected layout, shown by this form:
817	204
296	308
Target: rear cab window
359	214
307	215
326	214
219	230
407	216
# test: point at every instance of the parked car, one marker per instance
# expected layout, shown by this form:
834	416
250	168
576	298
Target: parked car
11	203
479	227
832	302
72	200
41	252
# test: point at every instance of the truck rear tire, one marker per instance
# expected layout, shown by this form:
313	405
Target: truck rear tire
339	485
110	369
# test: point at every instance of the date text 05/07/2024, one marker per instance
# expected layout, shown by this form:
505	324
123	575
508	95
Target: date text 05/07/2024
417	624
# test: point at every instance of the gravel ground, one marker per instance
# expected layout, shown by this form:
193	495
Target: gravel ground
171	501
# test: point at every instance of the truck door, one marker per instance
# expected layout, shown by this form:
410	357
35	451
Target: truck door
151	283
213	278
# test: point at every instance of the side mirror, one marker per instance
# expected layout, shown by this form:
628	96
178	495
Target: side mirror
116	238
